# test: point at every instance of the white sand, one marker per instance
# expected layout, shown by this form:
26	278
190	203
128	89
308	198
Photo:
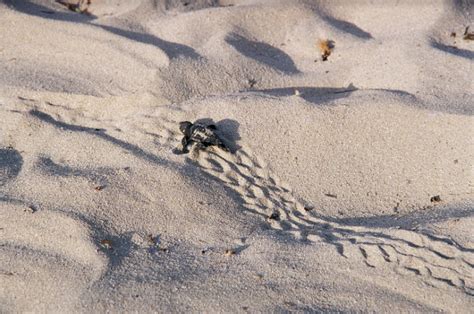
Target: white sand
89	112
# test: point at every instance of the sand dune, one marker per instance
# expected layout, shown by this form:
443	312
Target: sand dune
349	184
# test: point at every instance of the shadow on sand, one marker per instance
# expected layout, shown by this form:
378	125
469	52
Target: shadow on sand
171	49
263	53
463	53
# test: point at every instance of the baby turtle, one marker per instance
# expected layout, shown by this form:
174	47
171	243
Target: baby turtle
200	135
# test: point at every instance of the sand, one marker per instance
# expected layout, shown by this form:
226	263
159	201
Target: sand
349	185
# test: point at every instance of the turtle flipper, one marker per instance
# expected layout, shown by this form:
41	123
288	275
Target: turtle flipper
178	151
184	143
196	148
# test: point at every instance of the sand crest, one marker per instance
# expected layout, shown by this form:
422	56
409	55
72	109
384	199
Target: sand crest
349	185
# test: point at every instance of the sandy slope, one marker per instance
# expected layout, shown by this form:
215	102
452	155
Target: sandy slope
97	213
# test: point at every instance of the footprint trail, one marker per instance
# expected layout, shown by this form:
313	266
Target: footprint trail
438	261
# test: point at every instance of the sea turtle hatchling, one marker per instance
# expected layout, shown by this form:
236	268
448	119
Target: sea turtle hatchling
199	135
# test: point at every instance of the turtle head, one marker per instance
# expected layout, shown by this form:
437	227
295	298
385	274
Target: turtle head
184	126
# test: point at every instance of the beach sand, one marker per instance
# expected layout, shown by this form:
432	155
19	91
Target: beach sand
349	185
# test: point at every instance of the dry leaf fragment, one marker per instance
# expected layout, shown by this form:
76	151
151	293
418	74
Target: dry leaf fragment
468	35
99	187
106	244
229	252
78	7
30	209
326	46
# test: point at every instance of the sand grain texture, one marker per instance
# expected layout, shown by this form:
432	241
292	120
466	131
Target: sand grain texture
328	201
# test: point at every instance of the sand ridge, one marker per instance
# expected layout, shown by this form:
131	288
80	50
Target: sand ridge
328	201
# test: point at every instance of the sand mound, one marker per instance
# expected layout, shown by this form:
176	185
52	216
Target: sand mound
348	186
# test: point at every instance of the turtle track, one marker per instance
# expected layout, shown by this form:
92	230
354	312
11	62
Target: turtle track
438	261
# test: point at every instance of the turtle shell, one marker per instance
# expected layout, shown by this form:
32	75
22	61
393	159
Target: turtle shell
203	134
